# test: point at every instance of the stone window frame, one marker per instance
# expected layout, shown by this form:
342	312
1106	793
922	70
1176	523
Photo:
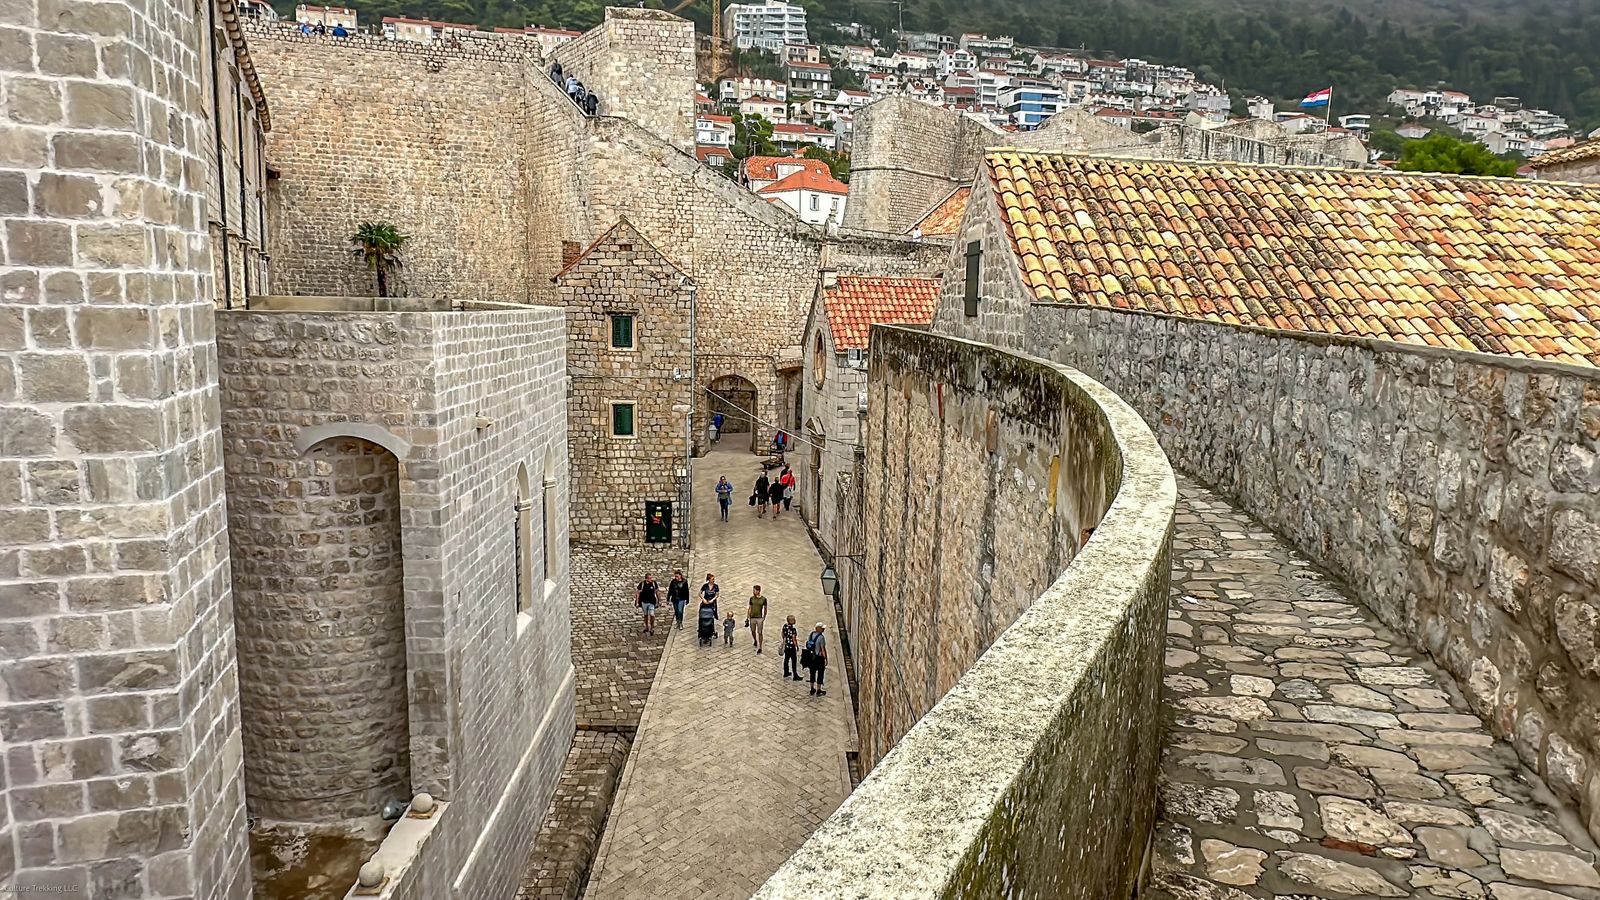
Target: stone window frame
633	421
819	362
522	531
547	511
611	330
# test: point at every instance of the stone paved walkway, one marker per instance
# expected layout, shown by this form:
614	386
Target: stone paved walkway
1311	753
615	661
733	767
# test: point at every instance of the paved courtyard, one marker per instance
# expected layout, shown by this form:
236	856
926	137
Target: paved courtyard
732	767
1310	753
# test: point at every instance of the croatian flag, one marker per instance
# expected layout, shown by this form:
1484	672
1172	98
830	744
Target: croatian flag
1318	98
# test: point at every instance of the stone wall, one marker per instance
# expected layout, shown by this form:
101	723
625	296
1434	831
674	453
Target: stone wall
431	139
472	405
118	691
907	155
831	405
1457	493
623	273
985	472
1583	170
641	63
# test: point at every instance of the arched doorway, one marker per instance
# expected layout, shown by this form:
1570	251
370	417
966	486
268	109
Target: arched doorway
319	588
735	398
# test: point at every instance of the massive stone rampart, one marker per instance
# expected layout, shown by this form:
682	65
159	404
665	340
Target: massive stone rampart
1458	493
985	472
907	155
659	96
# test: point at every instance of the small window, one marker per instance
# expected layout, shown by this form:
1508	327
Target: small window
974	264
816	202
621	331
622	418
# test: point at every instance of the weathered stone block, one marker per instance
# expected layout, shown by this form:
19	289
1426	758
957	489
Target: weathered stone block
113	429
1575	545
53	377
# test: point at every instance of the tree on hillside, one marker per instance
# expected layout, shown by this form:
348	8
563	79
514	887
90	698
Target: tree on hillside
838	163
1443	153
752	136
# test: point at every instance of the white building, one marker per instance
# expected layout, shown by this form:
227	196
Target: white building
713	131
816	198
773	110
951	61
738	90
1260	108
792	136
549	39
765	26
982	45
1027	104
1356	122
325	15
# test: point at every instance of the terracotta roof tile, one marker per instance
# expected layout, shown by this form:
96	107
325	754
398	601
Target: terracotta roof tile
765	168
1495	265
822	182
858	302
945	217
1576	153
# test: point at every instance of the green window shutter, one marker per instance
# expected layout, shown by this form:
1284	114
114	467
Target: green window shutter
622	419
622	331
974	269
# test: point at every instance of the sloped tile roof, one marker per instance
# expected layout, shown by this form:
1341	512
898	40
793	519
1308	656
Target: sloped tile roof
765	168
822	182
1496	265
945	217
1579	152
857	302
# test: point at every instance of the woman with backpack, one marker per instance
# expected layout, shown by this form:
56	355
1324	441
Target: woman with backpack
787	480
815	658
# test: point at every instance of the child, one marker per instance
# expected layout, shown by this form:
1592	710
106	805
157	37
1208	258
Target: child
727	630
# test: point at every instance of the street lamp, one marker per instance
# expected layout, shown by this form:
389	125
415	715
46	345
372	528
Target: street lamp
830	581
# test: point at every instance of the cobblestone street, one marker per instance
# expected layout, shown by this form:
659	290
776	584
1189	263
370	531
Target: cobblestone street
732	766
1312	754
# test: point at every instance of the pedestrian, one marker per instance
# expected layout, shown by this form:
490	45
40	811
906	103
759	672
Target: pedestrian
727	629
322	28
763	489
708	610
339	31
787	479
572	87
305	27
791	650
816	659
678	594
716	426
775	494
646	601
757	613
724	495
591	104
555	73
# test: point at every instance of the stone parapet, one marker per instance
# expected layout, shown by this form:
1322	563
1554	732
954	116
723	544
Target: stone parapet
1019	510
1457	493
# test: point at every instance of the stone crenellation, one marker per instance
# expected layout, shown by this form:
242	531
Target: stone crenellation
1468	486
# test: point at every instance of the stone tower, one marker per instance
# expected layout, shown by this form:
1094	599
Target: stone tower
118	689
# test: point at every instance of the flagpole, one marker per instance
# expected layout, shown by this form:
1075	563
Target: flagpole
1327	119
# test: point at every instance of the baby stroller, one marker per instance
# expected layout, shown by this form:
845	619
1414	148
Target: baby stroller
708	625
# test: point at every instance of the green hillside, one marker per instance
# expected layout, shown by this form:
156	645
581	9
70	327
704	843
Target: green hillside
1546	52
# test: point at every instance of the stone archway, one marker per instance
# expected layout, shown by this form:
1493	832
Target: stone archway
735	397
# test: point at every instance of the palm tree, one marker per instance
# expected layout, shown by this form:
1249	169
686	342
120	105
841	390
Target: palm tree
378	244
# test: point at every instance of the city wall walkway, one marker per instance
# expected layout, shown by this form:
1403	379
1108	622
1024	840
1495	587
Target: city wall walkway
733	767
1311	753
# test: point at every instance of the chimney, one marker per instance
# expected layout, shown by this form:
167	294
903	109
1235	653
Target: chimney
830	278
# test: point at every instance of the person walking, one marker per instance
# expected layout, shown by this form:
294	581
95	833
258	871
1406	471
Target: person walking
646	600
817	650
727	629
758	618
678	595
762	492
716	427
555	74
791	650
775	494
787	480
724	495
708	610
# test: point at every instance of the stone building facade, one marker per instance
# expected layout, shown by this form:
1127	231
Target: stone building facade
628	310
123	773
398	530
237	165
499	212
1580	162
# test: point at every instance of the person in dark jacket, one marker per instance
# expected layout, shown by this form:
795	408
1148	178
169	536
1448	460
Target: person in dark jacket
817	644
762	492
775	494
678	595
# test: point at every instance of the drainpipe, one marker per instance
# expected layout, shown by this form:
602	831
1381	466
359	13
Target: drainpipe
222	172
688	427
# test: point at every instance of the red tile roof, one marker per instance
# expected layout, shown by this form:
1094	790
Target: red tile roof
798	128
765	168
704	151
1576	153
945	218
858	302
1497	265
822	182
